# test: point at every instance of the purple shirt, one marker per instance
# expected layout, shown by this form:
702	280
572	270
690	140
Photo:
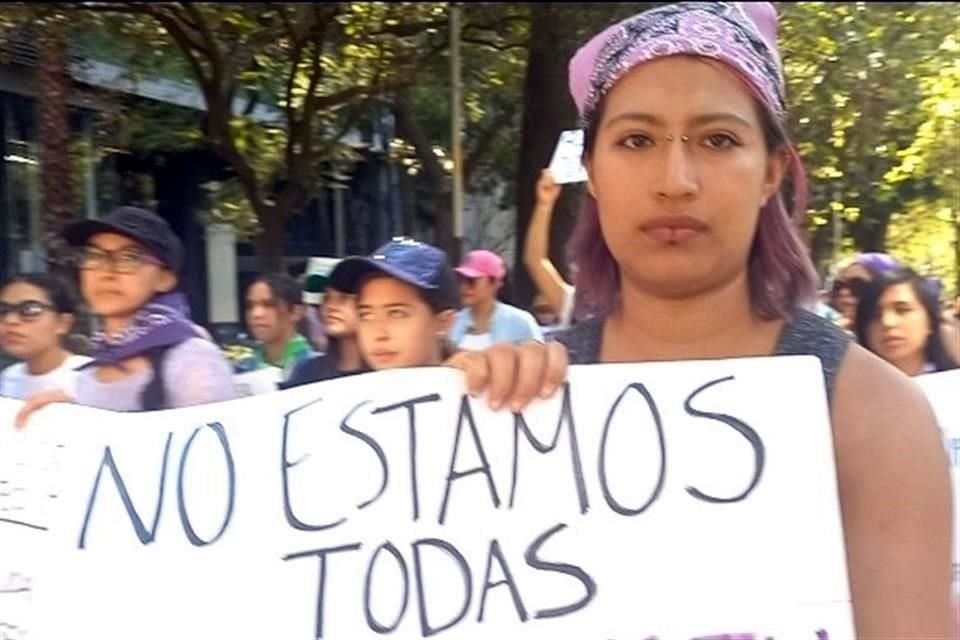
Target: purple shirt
194	372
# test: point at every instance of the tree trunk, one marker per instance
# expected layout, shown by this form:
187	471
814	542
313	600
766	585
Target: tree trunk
547	110
53	86
270	242
438	195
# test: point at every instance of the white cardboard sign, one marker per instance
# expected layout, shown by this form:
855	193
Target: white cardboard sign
943	392
565	165
662	500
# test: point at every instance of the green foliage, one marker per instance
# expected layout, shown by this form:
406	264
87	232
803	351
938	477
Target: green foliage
228	204
870	91
874	92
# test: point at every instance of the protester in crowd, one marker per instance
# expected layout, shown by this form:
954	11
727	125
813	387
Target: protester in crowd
406	302
484	320
557	292
340	328
687	251
898	319
274	310
148	355
314	286
852	276
37	312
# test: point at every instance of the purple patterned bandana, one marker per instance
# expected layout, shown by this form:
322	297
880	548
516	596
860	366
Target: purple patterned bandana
162	322
742	35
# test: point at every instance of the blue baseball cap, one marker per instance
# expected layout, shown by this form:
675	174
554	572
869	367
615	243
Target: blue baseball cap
416	263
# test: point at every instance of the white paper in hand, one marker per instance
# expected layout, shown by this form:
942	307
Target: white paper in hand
565	164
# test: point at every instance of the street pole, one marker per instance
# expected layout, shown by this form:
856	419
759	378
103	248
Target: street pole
456	128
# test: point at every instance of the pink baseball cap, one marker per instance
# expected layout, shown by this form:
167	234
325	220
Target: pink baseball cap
482	264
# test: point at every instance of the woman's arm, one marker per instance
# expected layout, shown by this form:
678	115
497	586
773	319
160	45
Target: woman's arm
536	245
895	497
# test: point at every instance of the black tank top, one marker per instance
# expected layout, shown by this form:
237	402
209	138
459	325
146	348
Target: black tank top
805	334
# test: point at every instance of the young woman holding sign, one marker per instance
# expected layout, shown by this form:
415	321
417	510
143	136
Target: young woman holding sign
687	250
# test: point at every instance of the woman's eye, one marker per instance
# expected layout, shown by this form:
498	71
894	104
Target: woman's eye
397	314
722	141
636	141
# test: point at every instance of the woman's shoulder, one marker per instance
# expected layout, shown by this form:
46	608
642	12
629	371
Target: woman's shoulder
582	341
808	333
75	361
876	402
193	352
14	370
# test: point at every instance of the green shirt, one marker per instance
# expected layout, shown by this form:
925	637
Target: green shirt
297	349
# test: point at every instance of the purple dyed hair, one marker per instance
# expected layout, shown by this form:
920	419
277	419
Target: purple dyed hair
781	274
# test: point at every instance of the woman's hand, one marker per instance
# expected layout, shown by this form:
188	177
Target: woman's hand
513	374
547	190
38	401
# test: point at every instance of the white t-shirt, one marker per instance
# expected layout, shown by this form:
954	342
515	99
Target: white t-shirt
476	341
17	382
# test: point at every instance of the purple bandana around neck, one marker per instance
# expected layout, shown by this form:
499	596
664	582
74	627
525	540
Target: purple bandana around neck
162	322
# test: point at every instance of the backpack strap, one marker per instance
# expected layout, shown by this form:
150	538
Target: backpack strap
154	395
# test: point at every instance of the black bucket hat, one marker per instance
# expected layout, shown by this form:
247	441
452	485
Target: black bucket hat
146	227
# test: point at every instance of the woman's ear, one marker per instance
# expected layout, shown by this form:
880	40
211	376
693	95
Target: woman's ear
167	281
64	324
297	312
443	321
777	166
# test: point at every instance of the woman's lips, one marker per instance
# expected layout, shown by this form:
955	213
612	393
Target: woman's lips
673	229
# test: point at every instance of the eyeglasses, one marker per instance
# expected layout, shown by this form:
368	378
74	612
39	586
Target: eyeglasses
119	261
26	310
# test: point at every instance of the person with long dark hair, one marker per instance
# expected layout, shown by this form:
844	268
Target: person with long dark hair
898	318
274	313
339	317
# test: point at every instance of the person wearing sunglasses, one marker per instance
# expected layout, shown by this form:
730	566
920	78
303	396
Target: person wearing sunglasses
852	278
36	315
148	355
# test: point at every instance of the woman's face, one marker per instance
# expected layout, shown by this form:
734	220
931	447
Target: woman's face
29	325
848	287
679	216
474	291
339	313
270	319
396	327
119	275
901	326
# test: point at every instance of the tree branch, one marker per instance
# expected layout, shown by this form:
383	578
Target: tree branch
493	45
183	41
408	29
410	129
485	142
203	29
